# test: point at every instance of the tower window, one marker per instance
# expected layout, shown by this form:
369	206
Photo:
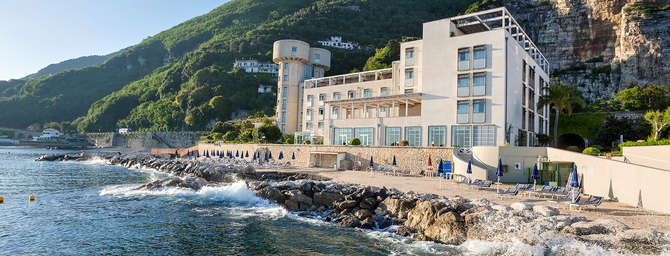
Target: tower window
294	51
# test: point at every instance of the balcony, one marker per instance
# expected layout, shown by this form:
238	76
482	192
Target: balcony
367	76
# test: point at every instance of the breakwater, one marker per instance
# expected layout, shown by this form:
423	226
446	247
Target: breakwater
422	216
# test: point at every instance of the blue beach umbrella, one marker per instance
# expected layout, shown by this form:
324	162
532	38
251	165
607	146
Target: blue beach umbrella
372	163
499	170
176	152
254	156
270	155
440	169
394	162
246	154
207	153
535	175
281	155
197	153
266	156
293	156
469	170
237	153
574	180
221	155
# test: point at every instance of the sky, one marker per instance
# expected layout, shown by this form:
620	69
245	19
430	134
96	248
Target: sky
36	33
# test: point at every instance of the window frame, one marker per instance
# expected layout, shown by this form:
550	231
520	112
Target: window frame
479	48
460	103
460	63
482	113
410	140
431	135
475	87
460	87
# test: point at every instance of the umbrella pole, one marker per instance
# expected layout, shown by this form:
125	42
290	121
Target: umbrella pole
498	185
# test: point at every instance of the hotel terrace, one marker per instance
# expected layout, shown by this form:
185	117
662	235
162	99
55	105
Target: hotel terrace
472	80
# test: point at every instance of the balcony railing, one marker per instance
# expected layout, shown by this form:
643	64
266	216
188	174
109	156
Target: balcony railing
360	77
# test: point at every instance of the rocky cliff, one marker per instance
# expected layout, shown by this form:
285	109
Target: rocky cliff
600	46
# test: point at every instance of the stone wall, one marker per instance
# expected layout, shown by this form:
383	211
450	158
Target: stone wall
652	156
406	157
145	140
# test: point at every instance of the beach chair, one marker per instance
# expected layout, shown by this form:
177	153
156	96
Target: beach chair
465	181
560	192
509	191
594	201
545	191
481	184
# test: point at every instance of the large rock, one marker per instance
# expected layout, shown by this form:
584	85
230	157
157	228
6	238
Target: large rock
346	204
363	214
612	226
448	228
521	206
272	194
326	198
583	228
398	207
368	203
368	223
422	216
190	182
545	210
304	202
642	241
351	222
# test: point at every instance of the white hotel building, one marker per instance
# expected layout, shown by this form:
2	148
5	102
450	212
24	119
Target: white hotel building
472	80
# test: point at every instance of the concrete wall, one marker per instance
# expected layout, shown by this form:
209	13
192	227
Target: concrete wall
485	162
652	156
406	157
632	184
145	140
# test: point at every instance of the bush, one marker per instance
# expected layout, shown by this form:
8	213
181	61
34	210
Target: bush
646	143
591	151
268	133
355	141
288	139
246	135
404	143
573	148
230	136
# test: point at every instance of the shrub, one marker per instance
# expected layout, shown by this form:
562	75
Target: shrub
591	151
573	148
246	135
646	143
268	133
404	143
288	139
230	136
355	141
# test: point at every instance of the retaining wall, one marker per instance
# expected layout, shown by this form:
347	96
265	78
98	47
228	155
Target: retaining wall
652	156
406	157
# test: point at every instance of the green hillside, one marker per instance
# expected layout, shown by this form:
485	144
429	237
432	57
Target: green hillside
171	81
75	63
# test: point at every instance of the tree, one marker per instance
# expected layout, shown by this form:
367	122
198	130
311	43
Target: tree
383	57
268	133
629	99
659	121
612	127
655	97
562	98
219	105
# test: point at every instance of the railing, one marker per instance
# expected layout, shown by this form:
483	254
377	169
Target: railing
367	76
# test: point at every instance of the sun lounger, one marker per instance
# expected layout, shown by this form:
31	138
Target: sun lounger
465	181
545	191
509	191
594	201
481	183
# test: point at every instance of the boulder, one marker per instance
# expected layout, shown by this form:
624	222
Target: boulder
583	228
448	228
398	207
545	210
520	206
422	216
350	222
405	231
641	241
368	203
368	223
346	204
304	202
363	214
326	198
613	226
502	208
272	194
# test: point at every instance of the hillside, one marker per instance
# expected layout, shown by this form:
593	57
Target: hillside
168	81
75	63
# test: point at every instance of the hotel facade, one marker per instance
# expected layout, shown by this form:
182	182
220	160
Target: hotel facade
472	80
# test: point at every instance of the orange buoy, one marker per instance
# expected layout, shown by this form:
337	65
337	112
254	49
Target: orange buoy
2	199
31	197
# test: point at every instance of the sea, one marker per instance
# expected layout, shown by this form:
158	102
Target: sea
91	208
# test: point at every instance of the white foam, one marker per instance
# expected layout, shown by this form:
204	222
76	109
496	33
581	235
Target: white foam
96	160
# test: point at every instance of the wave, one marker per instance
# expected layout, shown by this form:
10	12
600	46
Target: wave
95	160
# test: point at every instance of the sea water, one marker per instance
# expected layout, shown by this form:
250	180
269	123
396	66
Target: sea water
91	208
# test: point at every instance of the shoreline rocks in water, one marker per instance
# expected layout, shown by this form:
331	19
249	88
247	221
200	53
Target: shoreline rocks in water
422	216
63	157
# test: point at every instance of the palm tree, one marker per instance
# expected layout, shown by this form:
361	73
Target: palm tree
562	98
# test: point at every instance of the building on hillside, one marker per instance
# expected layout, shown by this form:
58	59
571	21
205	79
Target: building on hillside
253	66
264	89
473	80
336	42
48	134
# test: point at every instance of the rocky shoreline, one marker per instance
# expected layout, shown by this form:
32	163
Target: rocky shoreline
422	216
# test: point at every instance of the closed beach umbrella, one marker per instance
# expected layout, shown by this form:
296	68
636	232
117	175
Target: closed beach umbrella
372	162
293	156
266	156
197	153
440	169
207	153
270	155
281	155
430	162
247	154
176	152
574	180
237	153
535	175
469	170
394	162
254	156
499	171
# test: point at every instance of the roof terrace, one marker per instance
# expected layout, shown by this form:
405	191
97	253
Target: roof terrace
360	77
500	18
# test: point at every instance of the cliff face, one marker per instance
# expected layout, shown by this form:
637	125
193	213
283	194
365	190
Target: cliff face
600	46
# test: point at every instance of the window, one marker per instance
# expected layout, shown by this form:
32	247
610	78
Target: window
523	96
523	71
479	84
540	126
317	58
322	98
531	121
308	115
285	92
350	94
384	91
294	50
461	136
285	78
308	126
366	135
531	77
463	85
484	135
283	128
393	136
341	136
308	72
366	93
409	76
408	91
531	100
321	113
320	125
283	117
310	100
382	112
479	57
463	59
523	119
413	136
479	111
437	136
409	56
463	115
283	104
335	113
336	95
285	68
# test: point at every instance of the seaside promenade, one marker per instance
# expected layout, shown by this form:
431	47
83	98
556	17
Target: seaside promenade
631	216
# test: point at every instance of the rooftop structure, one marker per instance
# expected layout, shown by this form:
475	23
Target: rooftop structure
465	83
253	66
336	42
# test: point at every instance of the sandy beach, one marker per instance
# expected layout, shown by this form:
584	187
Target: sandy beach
631	216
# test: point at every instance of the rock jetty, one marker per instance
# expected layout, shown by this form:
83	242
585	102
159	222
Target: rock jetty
422	216
63	157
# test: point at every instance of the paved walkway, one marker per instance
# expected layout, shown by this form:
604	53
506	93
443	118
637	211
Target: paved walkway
631	216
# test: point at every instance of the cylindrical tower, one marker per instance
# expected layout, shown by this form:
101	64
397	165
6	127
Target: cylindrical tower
291	56
320	60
